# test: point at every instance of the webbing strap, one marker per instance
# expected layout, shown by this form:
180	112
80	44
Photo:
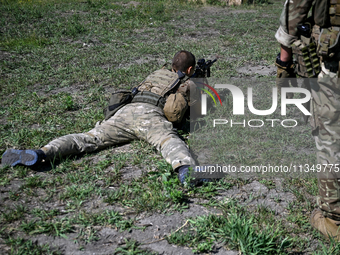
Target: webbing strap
150	98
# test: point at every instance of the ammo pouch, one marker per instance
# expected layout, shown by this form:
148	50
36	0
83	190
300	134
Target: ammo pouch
328	43
175	107
305	57
118	99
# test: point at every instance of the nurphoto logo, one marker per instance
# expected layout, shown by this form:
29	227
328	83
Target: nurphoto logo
239	108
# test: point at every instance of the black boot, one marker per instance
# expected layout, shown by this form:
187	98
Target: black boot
14	157
184	174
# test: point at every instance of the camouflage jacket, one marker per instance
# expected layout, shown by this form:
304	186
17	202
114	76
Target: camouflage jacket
296	12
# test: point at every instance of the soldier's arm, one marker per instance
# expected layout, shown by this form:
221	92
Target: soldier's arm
294	13
286	53
193	97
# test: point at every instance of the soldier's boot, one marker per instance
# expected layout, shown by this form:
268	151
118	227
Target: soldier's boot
327	226
14	157
184	174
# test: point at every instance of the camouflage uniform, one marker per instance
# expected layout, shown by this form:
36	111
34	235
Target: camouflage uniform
142	121
325	103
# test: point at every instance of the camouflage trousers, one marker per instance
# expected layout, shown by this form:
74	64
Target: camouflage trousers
326	123
133	121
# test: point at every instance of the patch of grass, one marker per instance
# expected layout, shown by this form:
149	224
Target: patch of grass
131	248
157	191
35	182
4	175
74	27
216	2
155	196
15	214
332	249
107	218
87	235
268	183
31	41
14	196
237	230
56	228
23	246
45	214
81	192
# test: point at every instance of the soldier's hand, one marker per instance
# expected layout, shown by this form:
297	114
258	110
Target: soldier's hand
285	73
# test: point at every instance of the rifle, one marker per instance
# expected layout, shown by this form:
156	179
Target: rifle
203	68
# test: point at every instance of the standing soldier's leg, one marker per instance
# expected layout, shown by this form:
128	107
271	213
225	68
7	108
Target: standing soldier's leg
326	117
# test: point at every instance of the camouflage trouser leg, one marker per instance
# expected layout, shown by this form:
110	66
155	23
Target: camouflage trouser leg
133	121
326	118
108	133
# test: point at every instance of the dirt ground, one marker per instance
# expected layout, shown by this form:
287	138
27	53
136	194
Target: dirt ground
157	225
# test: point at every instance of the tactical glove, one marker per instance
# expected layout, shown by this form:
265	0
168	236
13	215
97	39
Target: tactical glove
285	73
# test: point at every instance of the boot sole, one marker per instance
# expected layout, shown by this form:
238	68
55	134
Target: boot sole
14	157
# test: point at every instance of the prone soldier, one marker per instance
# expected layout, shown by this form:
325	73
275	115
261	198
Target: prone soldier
148	113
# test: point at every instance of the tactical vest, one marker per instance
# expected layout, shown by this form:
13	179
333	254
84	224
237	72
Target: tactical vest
327	30
327	13
158	89
323	42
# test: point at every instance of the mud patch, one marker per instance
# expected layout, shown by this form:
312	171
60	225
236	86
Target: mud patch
157	227
130	4
141	61
131	172
261	70
306	151
148	59
70	13
64	88
14	187
256	194
205	33
242	11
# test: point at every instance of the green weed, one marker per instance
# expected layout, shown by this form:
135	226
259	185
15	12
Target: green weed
56	228
332	249
45	214
131	248
14	214
23	246
107	218
236	230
